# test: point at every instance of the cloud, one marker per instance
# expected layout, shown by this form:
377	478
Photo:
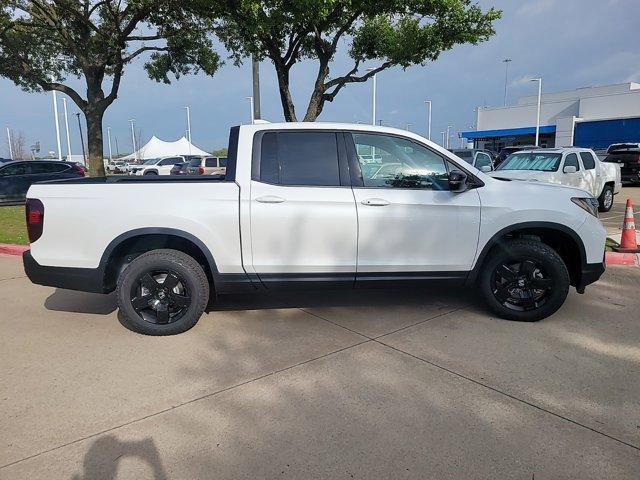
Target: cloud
535	7
524	80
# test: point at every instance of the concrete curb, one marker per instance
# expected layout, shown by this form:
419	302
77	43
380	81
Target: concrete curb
9	249
617	258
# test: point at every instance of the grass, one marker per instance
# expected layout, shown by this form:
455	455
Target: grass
13	228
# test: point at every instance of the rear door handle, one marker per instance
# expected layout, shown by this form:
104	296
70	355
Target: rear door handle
270	199
375	202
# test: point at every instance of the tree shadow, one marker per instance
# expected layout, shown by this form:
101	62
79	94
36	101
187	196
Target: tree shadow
102	459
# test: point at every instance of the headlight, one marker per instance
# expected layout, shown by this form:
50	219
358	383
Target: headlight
588	204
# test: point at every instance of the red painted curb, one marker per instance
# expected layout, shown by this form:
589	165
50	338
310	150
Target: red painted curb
8	249
617	258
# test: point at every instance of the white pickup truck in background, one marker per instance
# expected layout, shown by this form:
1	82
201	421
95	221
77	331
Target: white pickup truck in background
574	167
301	204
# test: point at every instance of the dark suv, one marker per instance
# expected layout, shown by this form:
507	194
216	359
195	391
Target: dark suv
17	176
627	155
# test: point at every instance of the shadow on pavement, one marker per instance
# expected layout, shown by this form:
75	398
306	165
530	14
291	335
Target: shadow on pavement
102	459
81	302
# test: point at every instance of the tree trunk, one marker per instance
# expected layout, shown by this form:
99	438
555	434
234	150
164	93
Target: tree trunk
95	141
288	107
316	102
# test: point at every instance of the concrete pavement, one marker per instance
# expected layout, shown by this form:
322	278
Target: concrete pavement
364	384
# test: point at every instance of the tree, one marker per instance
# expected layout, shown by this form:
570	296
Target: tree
17	146
388	32
44	42
220	152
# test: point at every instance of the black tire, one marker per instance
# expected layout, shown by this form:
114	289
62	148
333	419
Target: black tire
150	306
605	201
151	173
524	280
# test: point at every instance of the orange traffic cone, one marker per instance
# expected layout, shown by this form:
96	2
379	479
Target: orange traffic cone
628	242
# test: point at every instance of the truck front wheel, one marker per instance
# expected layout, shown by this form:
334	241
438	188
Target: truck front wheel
524	280
162	292
606	199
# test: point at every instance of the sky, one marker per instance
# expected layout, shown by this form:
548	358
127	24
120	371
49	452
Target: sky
570	43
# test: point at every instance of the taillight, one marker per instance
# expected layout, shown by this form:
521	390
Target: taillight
35	218
79	169
200	170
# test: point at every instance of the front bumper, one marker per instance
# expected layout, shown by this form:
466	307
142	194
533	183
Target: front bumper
589	273
71	278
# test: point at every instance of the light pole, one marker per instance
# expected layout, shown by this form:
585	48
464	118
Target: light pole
55	113
109	140
66	126
443	142
506	62
375	75
428	102
10	147
133	139
449	127
84	156
409	127
539	80
188	123
253	118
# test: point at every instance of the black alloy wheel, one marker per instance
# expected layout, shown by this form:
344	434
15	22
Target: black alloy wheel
160	297
521	286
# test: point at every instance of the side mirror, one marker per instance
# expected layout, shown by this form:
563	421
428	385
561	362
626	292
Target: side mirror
569	169
457	181
485	168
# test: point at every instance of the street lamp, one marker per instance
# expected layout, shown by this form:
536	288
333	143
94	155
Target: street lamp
109	140
133	139
443	142
55	113
375	75
253	116
188	123
539	80
506	62
10	147
409	127
449	127
428	102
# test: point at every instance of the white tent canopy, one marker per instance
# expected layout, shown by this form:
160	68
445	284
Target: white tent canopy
156	148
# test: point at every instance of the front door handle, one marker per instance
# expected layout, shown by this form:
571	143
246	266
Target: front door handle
270	199
375	202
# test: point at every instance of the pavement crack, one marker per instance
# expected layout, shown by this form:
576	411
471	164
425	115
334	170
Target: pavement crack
188	402
509	395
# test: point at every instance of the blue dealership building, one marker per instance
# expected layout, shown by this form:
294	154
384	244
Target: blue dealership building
592	117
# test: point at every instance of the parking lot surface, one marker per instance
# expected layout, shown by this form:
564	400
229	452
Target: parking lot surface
364	384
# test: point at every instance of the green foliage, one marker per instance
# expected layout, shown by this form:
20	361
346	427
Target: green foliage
221	152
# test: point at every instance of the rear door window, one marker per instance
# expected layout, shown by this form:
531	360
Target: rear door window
210	162
14	169
588	160
300	158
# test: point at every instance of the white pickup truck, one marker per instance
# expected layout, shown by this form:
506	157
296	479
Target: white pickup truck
299	206
571	166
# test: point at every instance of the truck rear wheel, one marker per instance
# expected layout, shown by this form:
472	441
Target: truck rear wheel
605	202
524	280
162	292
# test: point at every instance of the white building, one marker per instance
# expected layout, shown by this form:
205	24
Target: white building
593	117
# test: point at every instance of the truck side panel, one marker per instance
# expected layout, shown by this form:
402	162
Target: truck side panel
81	220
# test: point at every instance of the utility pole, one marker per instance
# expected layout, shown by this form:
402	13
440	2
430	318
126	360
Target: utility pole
55	113
66	126
443	142
255	73
10	147
188	123
133	139
84	156
109	138
428	102
506	62
539	80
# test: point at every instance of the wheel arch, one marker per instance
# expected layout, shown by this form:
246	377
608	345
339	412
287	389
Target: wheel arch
564	240
128	245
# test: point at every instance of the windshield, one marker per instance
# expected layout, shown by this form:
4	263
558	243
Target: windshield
541	162
152	161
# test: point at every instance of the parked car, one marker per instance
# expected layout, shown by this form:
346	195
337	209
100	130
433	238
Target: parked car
627	156
201	166
506	151
481	159
570	166
117	167
157	166
17	176
4	160
294	209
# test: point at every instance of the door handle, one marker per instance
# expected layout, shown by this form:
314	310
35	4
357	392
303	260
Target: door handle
270	199
375	202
